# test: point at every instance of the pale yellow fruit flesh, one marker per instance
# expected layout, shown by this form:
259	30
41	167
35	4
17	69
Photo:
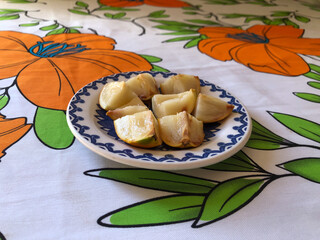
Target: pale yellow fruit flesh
115	95
181	130
170	104
139	129
211	109
136	101
144	85
180	83
128	110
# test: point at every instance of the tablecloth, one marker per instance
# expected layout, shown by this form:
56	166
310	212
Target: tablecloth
265	52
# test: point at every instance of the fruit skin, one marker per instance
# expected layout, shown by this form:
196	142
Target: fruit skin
114	95
140	129
170	104
128	110
181	130
180	83
144	85
211	109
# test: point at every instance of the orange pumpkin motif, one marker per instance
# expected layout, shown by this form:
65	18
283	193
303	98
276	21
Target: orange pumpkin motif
263	48
11	130
50	70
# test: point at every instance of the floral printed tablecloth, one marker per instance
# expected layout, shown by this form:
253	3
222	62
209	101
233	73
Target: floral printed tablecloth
265	52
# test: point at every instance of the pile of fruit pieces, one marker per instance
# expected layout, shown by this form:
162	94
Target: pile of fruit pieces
177	114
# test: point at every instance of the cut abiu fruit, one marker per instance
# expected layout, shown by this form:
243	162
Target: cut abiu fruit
180	83
211	109
169	104
181	130
114	95
140	129
144	85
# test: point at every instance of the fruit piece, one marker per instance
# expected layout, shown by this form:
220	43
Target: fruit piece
181	130
128	110
180	83
170	104
140	129
144	85
114	95
136	101
211	109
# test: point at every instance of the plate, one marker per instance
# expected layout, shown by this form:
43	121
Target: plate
90	125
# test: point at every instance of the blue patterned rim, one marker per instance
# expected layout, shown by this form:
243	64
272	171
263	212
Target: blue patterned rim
107	125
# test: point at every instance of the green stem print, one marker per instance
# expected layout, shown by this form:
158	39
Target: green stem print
205	201
115	13
264	139
213	34
51	28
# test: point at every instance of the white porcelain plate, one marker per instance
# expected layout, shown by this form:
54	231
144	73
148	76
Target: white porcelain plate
90	125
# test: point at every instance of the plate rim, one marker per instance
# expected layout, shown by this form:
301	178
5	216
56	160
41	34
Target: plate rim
160	165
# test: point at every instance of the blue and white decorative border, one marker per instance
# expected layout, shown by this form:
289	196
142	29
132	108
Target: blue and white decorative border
79	124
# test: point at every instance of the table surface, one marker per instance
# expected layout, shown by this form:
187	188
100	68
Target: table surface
265	52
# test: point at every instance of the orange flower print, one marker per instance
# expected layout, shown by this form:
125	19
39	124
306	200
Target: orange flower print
51	69
11	130
133	3
263	48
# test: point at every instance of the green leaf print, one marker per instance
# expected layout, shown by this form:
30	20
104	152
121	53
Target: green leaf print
203	22
51	128
288	22
159	211
50	27
303	127
190	13
312	75
236	15
156	68
276	21
175	23
302	19
157	180
151	59
108	15
228	197
28	24
314	84
10	11
308	96
183	32
78	12
280	14
178	39
57	31
9	17
314	67
119	15
158	14
239	162
82	4
308	168
4	99
106	8
264	139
